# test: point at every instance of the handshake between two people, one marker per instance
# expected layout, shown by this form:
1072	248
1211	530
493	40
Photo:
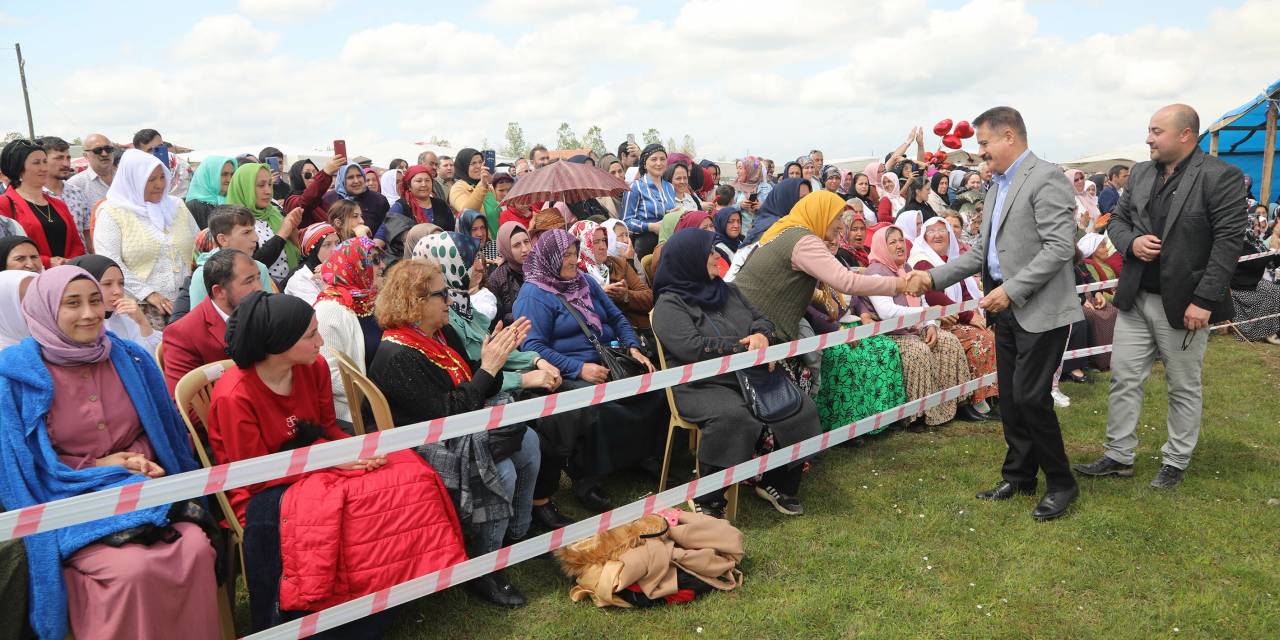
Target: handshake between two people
918	282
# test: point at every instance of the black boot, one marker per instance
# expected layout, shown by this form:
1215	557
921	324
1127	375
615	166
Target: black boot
548	516
495	589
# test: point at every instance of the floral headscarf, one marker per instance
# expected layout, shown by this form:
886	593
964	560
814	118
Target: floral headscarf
455	253
585	232
349	273
542	268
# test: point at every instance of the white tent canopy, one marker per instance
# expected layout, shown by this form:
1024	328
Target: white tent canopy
1128	155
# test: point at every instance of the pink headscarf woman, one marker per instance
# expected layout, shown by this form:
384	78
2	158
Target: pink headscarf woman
896	259
1086	203
752	172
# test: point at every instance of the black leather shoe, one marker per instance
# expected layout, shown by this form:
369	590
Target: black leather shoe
968	413
548	516
994	412
1104	466
495	589
1006	490
1054	504
917	426
1168	477
595	499
715	508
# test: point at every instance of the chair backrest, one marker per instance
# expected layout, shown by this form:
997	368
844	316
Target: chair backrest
193	394
662	363
160	356
360	388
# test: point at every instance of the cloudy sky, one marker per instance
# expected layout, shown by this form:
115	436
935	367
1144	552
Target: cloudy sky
740	76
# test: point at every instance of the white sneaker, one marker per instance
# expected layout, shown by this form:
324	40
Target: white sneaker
1060	399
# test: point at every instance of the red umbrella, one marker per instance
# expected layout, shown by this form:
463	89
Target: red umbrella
564	182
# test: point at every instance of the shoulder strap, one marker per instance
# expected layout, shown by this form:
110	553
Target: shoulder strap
591	337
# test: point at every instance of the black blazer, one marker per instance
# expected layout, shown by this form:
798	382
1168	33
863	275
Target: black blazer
1200	242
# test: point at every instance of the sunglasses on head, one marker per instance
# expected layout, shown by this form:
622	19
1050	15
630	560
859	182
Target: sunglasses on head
105	149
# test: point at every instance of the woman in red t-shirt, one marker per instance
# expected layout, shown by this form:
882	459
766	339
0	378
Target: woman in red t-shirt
310	539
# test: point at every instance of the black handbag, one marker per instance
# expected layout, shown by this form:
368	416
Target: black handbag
771	395
620	363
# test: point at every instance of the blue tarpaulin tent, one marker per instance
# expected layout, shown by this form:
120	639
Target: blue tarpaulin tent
1246	137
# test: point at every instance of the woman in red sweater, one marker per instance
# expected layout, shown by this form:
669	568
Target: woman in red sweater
44	218
322	537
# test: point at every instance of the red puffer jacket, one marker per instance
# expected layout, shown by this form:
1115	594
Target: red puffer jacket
346	534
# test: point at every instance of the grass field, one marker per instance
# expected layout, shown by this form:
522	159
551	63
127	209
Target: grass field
893	544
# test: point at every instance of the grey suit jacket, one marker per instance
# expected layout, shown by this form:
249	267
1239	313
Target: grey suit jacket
1036	243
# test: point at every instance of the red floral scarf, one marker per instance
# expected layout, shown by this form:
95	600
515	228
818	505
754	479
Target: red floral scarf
349	273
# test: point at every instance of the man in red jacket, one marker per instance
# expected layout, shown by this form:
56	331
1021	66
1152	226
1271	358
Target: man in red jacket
199	338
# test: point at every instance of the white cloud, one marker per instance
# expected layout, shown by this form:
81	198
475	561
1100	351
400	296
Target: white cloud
528	11
225	37
738	76
284	10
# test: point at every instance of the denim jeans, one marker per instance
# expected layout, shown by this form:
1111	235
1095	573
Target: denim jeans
518	475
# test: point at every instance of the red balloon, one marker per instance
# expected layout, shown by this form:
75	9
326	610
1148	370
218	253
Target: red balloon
946	165
950	141
940	156
942	128
928	156
964	130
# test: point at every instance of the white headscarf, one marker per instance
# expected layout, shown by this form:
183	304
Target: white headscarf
909	222
13	327
1089	243
390	183
610	227
128	189
920	250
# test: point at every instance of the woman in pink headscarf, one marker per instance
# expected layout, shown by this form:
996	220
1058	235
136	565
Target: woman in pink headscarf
750	187
1086	203
891	200
932	360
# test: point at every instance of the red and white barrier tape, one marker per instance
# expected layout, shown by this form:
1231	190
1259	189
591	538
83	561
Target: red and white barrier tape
101	504
547	542
108	502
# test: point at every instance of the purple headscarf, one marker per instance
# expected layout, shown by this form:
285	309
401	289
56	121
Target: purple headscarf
40	308
542	268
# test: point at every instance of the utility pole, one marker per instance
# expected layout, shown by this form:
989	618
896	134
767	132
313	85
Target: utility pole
26	100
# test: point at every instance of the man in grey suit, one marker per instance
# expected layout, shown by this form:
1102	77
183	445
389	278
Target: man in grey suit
1180	227
1024	253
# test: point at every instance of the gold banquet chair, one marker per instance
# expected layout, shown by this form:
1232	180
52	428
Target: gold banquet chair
360	388
695	435
193	394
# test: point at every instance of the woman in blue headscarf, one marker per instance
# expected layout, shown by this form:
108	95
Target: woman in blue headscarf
209	187
351	185
781	199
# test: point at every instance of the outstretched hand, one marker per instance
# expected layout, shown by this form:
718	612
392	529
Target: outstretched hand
915	283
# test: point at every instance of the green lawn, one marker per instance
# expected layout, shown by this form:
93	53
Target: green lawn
894	545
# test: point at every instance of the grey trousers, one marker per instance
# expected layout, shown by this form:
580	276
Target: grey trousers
1142	333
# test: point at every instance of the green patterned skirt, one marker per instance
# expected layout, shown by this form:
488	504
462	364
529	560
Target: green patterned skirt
860	380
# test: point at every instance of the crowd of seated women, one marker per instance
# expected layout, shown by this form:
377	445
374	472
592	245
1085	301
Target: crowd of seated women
448	302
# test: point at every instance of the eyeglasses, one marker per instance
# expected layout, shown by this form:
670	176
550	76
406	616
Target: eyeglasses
443	294
105	149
